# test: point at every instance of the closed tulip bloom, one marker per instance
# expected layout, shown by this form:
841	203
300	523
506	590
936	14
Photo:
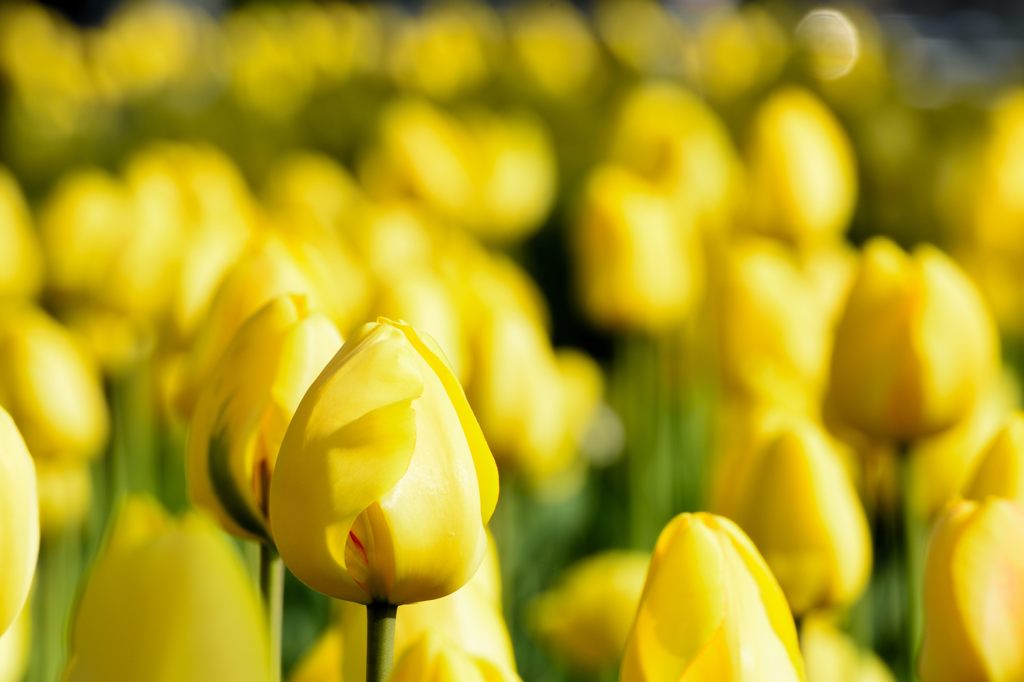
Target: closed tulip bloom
806	519
244	410
585	619
433	659
323	662
803	177
833	656
1000	471
914	347
51	387
384	483
710	610
65	494
21	259
637	254
19	521
972	598
468	622
167	600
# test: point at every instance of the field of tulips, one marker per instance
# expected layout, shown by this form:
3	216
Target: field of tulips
642	342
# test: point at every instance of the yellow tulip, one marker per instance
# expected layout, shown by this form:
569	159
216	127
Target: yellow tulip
244	410
803	178
775	333
167	600
65	494
914	347
710	610
323	662
972	596
645	36
585	619
314	187
384	482
433	659
21	260
50	387
638	257
553	47
19	514
1000	470
832	656
806	519
739	51
16	647
469	623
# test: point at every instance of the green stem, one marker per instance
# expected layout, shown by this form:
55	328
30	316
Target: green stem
272	590
380	640
911	562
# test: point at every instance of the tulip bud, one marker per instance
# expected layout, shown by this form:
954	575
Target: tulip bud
51	388
469	622
323	662
384	482
433	659
806	519
65	493
586	618
710	610
21	260
554	50
167	600
1001	469
314	187
638	256
803	178
245	408
914	347
972	598
19	521
833	656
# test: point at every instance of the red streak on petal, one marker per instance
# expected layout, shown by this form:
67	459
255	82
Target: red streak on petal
362	550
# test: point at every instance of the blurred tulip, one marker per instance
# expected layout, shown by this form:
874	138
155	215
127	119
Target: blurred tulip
553	49
384	482
775	335
806	519
710	610
833	656
803	177
676	141
585	619
638	257
323	662
467	624
1000	470
914	347
432	659
740	51
167	600
645	36
21	260
50	387
65	495
19	514
315	188
973	629
245	408
15	647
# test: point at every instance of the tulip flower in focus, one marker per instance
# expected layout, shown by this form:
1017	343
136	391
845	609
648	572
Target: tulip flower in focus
244	410
167	600
804	515
384	483
637	254
585	619
1000	470
833	656
972	601
466	624
21	260
710	610
19	520
803	179
51	387
914	347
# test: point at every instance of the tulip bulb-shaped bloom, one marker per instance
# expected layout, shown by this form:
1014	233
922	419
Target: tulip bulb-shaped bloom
65	494
587	617
803	179
1001	470
167	600
242	414
433	659
710	610
21	259
323	661
973	598
806	519
384	483
833	656
914	347
19	521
